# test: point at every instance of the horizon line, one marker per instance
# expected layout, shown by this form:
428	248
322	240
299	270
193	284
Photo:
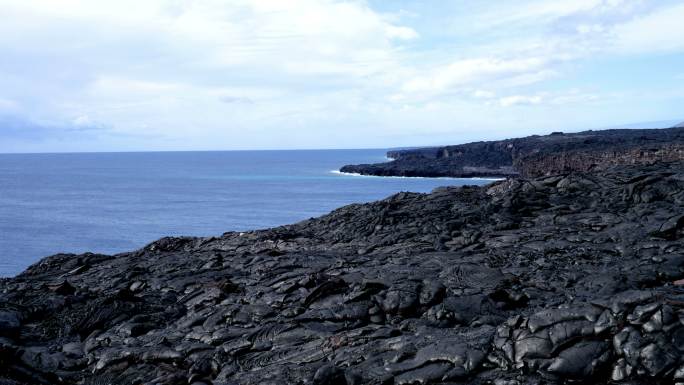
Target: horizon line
624	127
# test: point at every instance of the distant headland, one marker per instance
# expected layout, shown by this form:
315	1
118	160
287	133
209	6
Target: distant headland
534	156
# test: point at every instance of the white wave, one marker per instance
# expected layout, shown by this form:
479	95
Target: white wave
338	172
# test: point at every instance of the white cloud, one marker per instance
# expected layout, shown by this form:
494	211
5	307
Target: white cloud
516	100
659	31
576	97
169	65
403	33
569	32
472	71
483	94
270	73
83	120
541	13
7	105
573	96
584	29
335	36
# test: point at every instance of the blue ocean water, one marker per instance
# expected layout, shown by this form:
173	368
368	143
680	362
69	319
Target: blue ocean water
115	202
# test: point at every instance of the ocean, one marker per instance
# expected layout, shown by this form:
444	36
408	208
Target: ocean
115	202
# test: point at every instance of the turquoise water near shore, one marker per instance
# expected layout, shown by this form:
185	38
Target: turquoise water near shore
115	202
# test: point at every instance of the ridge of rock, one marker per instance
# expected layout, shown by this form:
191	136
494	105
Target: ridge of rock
535	155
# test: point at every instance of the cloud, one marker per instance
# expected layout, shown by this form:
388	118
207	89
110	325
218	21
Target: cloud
659	31
236	99
542	38
7	105
516	100
170	65
539	14
577	97
573	96
301	37
311	73
85	123
483	94
13	127
471	71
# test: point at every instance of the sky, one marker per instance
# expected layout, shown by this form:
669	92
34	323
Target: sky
130	75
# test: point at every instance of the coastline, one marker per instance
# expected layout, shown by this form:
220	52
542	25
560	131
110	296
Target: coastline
115	202
452	282
342	192
338	172
533	156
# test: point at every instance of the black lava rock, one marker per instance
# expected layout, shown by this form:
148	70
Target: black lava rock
535	155
570	278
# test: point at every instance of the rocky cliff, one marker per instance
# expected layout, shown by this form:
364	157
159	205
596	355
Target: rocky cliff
534	155
573	278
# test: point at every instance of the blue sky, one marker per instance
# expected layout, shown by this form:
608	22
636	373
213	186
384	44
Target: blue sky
86	75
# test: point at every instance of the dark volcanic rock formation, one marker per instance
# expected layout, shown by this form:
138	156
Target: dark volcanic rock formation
570	278
534	156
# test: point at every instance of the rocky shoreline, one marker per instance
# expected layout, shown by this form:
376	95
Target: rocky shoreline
568	278
534	156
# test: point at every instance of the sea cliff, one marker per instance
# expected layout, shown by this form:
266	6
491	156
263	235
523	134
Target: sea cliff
574	277
534	156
